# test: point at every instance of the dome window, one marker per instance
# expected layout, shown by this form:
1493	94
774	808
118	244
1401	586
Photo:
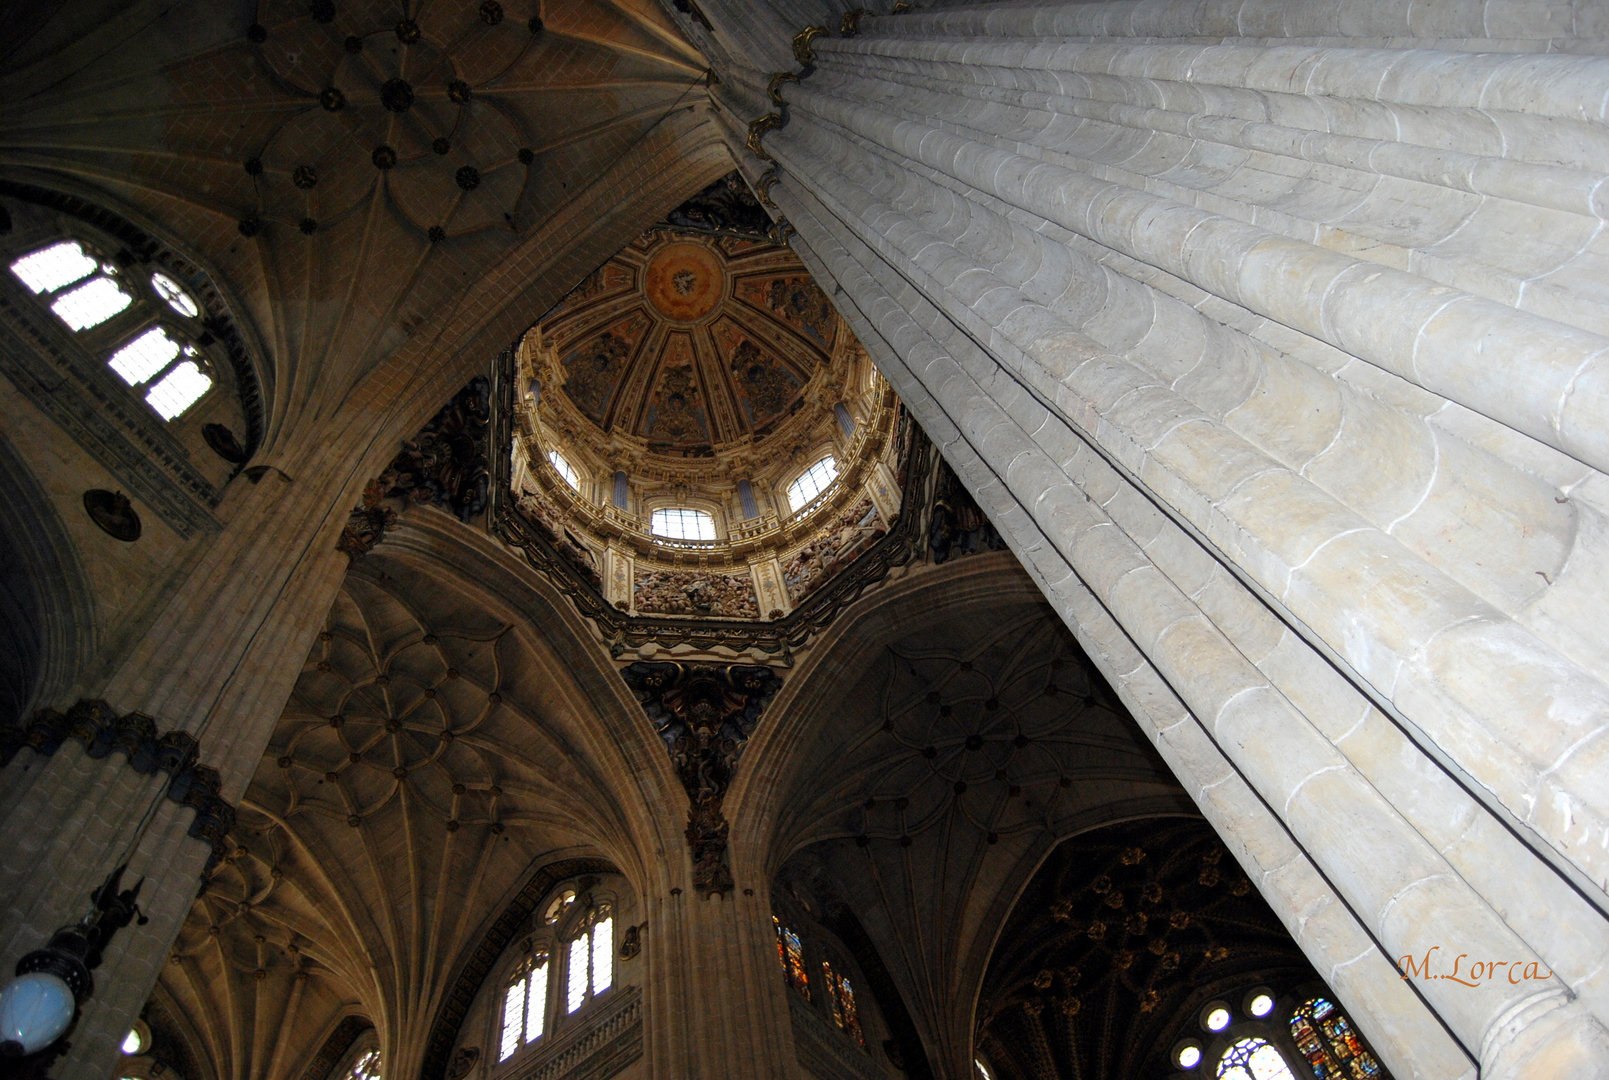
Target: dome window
811	483
564	469
679	523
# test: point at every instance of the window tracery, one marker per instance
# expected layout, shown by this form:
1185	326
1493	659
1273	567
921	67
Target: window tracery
525	1006
86	291
1331	1045
811	483
591	959
1252	1058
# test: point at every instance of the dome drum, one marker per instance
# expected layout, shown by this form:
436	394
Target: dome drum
692	380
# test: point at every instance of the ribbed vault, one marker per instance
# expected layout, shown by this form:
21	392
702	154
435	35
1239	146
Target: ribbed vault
930	753
438	750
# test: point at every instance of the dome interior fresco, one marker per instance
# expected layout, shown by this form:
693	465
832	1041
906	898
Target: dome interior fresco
691	342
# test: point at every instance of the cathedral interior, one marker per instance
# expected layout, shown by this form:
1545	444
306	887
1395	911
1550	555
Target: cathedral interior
784	540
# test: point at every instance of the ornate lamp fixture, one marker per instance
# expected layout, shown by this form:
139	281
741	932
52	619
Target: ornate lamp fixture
40	1004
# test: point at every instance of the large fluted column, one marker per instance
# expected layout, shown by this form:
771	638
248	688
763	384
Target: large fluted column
1280	365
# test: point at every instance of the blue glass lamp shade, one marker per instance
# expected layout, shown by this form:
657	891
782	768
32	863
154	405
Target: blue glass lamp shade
34	1010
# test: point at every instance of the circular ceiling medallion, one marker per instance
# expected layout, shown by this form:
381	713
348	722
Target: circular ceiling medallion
684	281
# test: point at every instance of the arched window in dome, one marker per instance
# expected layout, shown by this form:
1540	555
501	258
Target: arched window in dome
791	953
564	469
842	993
811	483
591	960
1253	1059
525	1005
1330	1043
680	523
86	291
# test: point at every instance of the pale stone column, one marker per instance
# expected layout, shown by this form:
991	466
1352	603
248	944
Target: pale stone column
1245	352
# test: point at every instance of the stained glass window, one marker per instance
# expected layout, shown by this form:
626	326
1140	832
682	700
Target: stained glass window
812	482
791	953
525	1006
1330	1044
366	1067
1253	1059
842	993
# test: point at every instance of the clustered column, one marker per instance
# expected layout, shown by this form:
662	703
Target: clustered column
1240	347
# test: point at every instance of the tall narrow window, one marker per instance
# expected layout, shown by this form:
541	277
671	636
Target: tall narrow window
524	1006
678	523
1330	1043
579	955
591	960
791	953
812	482
1253	1059
842	993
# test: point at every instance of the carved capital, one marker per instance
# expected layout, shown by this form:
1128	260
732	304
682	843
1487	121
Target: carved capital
773	88
757	130
102	731
801	44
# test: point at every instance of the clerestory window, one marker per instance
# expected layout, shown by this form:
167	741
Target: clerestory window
811	483
525	1006
591	960
152	354
842	993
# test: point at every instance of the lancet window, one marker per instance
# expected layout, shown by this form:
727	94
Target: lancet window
591	959
790	951
144	323
842	994
525	1006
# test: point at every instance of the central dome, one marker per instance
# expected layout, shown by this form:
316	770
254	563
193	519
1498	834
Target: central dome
692	343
